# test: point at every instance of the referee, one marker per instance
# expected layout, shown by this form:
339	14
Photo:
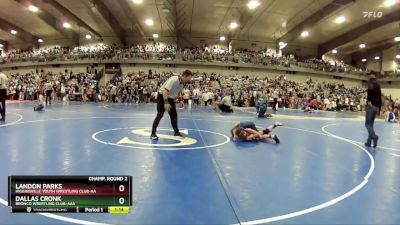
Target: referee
166	101
374	102
3	94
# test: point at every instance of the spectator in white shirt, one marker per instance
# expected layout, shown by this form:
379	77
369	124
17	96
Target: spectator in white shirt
207	99
196	96
186	96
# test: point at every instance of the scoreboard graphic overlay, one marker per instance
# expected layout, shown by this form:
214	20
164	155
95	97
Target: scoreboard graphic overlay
75	194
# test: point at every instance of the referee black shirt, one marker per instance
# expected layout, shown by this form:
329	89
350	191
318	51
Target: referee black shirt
374	94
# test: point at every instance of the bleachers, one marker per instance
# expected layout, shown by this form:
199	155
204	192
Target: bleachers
156	53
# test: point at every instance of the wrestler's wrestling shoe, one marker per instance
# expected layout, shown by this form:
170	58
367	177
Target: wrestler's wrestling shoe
276	139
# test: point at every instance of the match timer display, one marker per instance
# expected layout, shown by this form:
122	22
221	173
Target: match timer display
77	194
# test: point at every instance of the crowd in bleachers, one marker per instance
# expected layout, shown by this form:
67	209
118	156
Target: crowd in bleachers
296	95
244	91
209	54
266	57
142	87
160	51
328	66
98	52
28	86
133	87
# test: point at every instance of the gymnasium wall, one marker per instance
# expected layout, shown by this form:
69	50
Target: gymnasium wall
301	50
340	56
389	59
394	92
392	89
254	44
374	65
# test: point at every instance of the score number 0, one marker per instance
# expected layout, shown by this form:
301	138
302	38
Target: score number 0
121	200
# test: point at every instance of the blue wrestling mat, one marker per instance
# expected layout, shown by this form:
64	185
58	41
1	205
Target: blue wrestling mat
320	173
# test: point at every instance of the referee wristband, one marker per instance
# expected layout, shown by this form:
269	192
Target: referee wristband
166	101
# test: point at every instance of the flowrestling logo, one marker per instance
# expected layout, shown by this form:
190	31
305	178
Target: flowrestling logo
139	138
372	14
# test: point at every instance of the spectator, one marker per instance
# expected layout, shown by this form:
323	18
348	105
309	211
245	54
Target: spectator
261	106
226	103
391	115
374	100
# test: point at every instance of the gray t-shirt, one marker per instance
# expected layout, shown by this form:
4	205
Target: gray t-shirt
173	85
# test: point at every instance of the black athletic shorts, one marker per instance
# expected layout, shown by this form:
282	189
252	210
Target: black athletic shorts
248	124
266	131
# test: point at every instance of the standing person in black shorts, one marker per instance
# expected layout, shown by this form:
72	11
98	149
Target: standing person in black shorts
373	107
49	89
129	94
3	95
207	97
166	101
225	105
275	96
